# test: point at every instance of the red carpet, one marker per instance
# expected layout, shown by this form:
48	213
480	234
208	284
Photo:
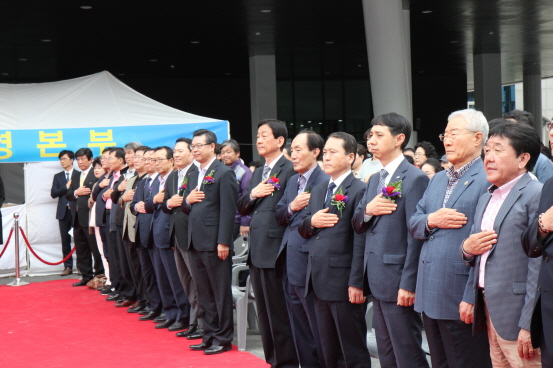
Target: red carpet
52	324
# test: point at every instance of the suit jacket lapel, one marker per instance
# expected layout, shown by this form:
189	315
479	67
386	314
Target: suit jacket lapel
345	185
313	178
399	174
464	182
512	197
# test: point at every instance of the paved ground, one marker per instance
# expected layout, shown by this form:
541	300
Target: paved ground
253	340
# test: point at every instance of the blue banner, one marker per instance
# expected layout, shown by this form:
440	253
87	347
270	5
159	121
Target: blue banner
34	145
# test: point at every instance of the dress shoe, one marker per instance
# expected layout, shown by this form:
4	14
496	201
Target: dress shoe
217	349
112	297
150	316
177	326
66	272
165	324
144	311
201	346
125	303
81	283
120	300
137	307
106	290
191	330
160	318
198	334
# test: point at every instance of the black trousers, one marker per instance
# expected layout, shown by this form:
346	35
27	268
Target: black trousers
65	226
129	291
114	267
449	341
87	249
215	295
343	333
272	315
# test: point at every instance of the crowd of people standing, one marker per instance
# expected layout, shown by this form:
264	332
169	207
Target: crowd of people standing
461	251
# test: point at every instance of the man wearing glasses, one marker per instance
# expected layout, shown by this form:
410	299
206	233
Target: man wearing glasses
61	183
443	219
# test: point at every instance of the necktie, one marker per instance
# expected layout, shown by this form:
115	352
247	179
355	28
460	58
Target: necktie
81	181
329	193
266	171
147	189
302	181
66	177
109	203
180	179
382	182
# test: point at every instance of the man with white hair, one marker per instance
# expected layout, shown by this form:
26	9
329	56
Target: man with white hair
443	220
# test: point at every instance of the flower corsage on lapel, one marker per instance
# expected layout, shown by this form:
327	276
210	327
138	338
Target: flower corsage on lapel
392	191
339	200
183	186
208	179
274	181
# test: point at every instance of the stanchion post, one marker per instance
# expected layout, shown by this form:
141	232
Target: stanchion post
17	281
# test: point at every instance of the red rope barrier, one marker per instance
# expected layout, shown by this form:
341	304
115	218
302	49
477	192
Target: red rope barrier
7	242
40	259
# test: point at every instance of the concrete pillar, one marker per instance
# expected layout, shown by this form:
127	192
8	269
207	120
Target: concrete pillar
388	47
263	92
487	84
531	90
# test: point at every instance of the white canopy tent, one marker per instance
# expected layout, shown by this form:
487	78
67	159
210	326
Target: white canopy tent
96	101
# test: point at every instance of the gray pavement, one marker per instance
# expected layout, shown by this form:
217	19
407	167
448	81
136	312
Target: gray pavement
253	339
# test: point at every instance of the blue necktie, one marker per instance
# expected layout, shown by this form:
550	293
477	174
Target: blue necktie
147	188
382	182
329	193
66	176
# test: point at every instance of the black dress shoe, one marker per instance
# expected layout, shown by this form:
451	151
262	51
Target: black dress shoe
81	283
191	330
166	324
160	318
177	326
144	311
198	334
106	290
112	297
138	308
217	349
201	346
149	317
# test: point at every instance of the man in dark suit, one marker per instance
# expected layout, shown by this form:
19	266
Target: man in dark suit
178	228
443	219
78	194
306	149
173	297
391	253
537	242
143	235
335	264
504	280
260	199
211	196
61	183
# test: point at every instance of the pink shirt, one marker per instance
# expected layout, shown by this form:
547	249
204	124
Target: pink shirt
115	178
488	219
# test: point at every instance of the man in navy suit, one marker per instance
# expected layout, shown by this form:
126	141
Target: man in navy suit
306	149
335	264
210	204
175	303
443	219
391	253
143	238
259	201
61	183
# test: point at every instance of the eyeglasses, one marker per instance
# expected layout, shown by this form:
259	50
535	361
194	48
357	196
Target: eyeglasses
443	137
198	146
549	125
159	160
418	154
64	159
139	158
